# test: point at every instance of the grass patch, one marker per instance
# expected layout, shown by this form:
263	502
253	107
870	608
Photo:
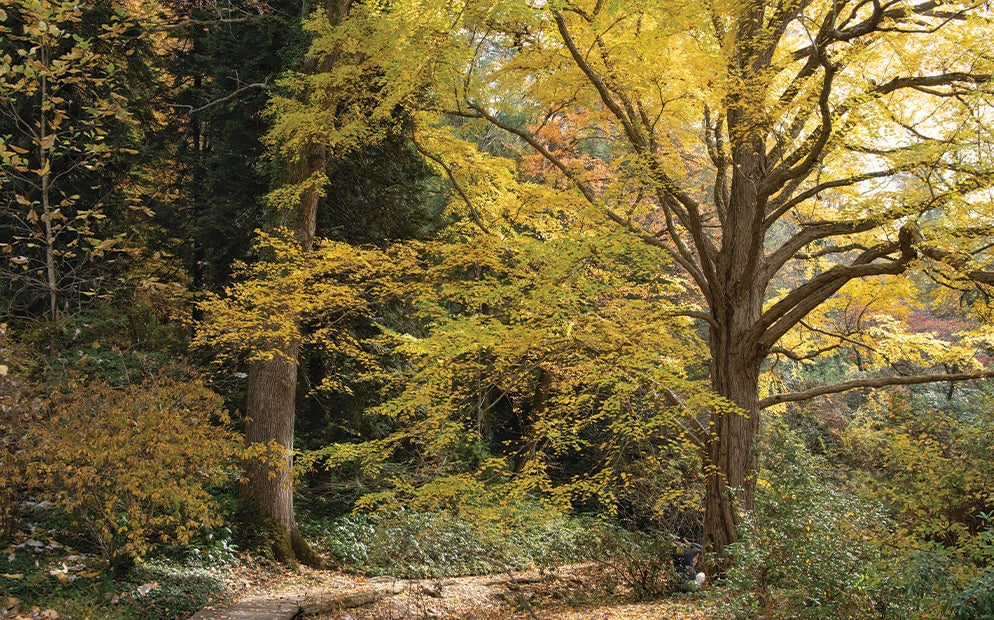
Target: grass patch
37	570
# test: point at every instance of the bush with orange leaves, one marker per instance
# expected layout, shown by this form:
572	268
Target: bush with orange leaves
132	466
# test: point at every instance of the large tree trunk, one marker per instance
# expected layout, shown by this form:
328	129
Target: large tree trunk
731	459
267	496
735	353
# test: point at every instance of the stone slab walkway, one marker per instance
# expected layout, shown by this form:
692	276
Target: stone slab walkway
253	609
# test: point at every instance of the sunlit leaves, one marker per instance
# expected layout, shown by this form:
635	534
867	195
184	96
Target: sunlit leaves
274	297
538	353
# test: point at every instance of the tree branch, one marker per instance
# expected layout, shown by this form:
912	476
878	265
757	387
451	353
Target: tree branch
781	205
232	95
474	213
783	315
856	384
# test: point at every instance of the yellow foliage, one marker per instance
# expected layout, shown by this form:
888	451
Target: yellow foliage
132	466
572	341
289	297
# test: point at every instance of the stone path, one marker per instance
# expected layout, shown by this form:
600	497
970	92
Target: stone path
253	609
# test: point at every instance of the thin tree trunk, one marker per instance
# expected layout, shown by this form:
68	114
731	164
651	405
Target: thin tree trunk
46	207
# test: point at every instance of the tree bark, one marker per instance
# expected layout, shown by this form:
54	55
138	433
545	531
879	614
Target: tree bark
267	495
731	459
272	391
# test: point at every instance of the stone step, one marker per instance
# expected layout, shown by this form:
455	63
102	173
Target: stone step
252	609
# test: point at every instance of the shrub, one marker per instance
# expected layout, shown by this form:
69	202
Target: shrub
976	601
411	544
20	404
810	549
641	562
132	466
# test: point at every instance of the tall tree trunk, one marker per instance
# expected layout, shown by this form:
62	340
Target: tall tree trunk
735	353
267	496
271	406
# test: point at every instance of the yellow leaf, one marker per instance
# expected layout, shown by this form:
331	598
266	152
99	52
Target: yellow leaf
11	575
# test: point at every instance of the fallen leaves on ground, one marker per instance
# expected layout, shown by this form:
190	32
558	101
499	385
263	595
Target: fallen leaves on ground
575	592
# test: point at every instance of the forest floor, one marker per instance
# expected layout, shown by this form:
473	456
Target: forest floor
576	592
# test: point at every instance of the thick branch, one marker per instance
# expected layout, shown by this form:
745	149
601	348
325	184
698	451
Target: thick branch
876	382
802	357
802	161
923	81
959	262
783	315
869	25
220	21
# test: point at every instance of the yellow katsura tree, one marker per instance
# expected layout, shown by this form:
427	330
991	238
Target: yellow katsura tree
782	153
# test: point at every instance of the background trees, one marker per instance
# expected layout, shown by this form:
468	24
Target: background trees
512	255
72	86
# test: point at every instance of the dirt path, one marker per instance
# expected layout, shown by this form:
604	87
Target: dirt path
566	593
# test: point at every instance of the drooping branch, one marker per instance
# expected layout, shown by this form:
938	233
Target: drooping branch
628	124
474	213
875	382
